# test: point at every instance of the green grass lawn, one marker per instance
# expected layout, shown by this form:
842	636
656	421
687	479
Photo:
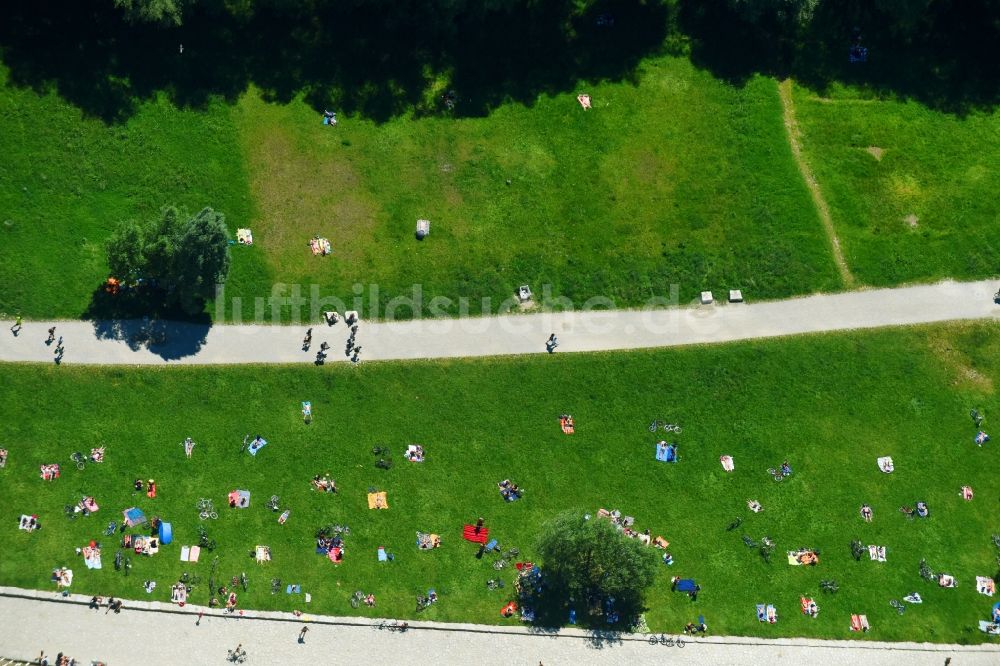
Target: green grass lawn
910	392
912	192
675	178
66	182
678	178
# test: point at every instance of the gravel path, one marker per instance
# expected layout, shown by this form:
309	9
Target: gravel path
108	342
152	633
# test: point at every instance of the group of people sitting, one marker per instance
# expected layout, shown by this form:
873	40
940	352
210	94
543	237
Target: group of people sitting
150	487
86	506
509	490
29	523
325	544
324	483
97	455
427	541
921	511
3	457
49	472
414	453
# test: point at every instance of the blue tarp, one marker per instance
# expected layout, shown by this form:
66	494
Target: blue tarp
166	533
686	585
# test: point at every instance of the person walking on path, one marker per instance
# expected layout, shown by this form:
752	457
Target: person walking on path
551	343
18	325
52	336
302	634
307	341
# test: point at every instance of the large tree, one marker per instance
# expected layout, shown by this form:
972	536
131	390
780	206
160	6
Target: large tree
185	255
164	12
586	563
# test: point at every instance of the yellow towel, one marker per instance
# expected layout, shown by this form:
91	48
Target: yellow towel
378	500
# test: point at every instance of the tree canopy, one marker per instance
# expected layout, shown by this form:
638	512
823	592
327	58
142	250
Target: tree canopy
588	563
186	256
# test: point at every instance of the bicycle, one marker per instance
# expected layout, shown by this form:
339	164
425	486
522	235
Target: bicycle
206	510
244	583
663	639
977	418
70	511
750	543
79	459
776	473
275	585
380	450
237	656
829	586
898	605
666	427
494	584
272	503
356	599
111	529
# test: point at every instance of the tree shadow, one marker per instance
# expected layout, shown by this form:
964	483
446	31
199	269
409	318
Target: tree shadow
354	57
943	55
139	319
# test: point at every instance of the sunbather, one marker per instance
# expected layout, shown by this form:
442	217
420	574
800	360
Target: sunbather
866	513
97	455
3	457
754	506
922	510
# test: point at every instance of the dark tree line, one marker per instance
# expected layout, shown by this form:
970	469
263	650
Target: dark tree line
382	58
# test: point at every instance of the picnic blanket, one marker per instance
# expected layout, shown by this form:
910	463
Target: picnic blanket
727	463
178	594
985	586
427	541
91	557
876	553
307	409
262	554
49	472
809	606
885	464
469	534
134	517
239	499
567	424
414	453
946	580
989	627
666	452
859	623
686	585
382	555
336	555
967	493
27	524
378	500
62	577
799	557
190	553
767	613
256	445
320	246
244	236
584	100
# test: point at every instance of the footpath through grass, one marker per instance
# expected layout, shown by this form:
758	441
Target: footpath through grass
912	192
830	405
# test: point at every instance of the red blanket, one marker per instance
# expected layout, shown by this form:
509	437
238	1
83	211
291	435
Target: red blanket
469	534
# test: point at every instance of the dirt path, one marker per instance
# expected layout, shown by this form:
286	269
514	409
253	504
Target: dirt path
795	141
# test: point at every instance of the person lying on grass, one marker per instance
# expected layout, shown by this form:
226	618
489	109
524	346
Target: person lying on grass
324	484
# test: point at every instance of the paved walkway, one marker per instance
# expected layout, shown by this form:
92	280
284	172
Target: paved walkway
110	342
153	633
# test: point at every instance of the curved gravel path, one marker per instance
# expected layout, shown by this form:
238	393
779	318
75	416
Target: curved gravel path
107	342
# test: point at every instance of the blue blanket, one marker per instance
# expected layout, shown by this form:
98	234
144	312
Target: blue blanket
666	452
256	445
